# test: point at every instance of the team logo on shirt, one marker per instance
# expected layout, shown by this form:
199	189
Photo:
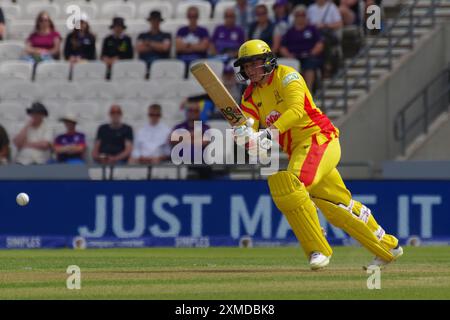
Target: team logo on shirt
272	117
290	77
307	34
278	98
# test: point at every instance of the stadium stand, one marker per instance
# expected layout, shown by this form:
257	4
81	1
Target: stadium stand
16	70
167	69
89	71
125	70
92	93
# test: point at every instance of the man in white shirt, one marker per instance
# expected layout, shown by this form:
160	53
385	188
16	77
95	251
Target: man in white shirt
151	144
34	141
325	14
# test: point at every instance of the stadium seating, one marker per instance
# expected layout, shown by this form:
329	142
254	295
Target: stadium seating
145	8
17	70
88	71
118	8
167	69
11	50
133	111
99	91
52	71
91	9
100	28
204	8
20	29
86	111
33	8
23	92
12	111
143	91
11	11
63	92
185	88
220	8
55	108
216	66
129	70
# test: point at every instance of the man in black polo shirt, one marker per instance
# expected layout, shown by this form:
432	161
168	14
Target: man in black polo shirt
118	45
154	44
114	141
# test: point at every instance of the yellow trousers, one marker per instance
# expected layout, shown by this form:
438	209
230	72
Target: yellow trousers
314	163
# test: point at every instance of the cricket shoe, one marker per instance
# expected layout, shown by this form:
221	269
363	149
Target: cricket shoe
318	261
397	252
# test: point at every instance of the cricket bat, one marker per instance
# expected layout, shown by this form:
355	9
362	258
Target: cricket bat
219	94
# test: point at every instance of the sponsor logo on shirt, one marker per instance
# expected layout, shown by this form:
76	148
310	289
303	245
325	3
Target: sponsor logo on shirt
290	77
272	117
278	98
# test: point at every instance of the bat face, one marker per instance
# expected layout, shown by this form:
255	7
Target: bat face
218	94
233	115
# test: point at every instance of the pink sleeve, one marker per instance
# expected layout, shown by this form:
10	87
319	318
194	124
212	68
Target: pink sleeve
56	35
31	38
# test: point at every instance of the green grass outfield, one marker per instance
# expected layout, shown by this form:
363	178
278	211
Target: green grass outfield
220	273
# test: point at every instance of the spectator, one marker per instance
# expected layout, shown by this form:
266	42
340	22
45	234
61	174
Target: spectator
303	42
227	38
244	14
349	10
151	145
204	103
2	25
4	146
192	40
196	144
118	45
262	28
154	44
34	141
114	141
325	15
45	42
70	147
80	43
281	10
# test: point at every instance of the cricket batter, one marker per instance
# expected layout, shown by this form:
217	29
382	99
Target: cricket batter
278	98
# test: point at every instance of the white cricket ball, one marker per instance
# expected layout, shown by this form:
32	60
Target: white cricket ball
22	199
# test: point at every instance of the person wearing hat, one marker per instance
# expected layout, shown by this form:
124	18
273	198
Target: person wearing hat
118	45
80	43
154	44
34	141
70	147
